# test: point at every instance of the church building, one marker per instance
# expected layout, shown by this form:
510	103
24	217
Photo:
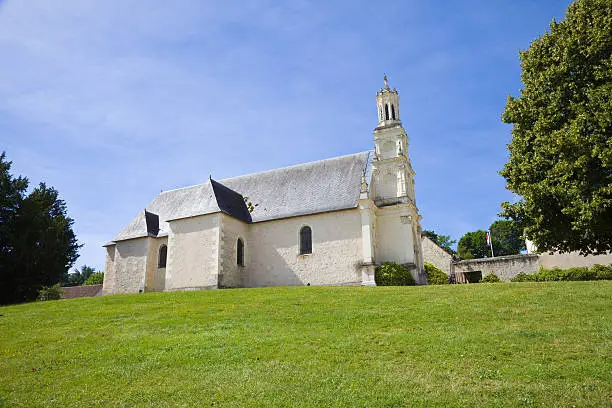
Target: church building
329	222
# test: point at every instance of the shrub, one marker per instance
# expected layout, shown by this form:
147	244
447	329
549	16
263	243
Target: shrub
50	292
491	278
603	272
596	272
523	277
392	274
435	276
96	278
578	274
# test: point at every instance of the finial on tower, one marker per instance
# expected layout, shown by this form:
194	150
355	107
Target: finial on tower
386	82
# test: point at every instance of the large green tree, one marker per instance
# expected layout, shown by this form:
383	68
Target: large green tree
38	245
506	237
11	194
474	245
561	149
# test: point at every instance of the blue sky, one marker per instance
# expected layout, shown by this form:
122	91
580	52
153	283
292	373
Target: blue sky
113	101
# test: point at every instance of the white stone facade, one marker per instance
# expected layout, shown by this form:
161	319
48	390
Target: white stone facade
360	211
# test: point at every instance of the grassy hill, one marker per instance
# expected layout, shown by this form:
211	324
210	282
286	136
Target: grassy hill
497	345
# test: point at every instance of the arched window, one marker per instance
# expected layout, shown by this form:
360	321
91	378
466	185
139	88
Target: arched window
386	112
240	252
305	240
163	255
393	112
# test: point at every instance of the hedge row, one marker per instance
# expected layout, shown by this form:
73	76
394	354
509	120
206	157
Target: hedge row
596	272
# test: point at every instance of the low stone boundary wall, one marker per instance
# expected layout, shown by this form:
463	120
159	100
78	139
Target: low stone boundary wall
505	267
71	292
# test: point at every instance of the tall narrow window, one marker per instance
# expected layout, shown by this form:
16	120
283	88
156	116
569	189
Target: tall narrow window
386	112
240	252
163	255
305	240
393	112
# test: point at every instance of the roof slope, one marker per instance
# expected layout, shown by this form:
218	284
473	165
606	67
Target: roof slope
231	202
321	186
173	204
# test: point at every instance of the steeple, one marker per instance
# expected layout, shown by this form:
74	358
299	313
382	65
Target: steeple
387	102
398	223
392	170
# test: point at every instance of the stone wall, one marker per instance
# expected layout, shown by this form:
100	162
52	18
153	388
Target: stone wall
394	240
155	277
436	256
108	286
129	266
505	267
274	258
573	259
232	275
193	253
71	292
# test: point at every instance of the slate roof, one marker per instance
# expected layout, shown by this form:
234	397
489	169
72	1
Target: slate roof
309	188
231	202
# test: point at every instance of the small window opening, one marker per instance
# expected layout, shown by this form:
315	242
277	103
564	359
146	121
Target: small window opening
163	255
386	112
393	112
305	240
240	252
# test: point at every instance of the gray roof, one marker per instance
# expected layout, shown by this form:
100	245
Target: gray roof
321	186
231	202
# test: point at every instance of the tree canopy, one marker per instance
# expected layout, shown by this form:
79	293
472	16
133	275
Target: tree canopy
561	152
78	277
37	244
506	237
443	241
474	245
96	278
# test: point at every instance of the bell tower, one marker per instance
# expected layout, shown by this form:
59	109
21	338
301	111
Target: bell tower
398	226
387	102
392	172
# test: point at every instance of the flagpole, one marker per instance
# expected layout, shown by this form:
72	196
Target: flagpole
490	239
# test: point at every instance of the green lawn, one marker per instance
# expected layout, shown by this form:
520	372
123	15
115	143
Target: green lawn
495	345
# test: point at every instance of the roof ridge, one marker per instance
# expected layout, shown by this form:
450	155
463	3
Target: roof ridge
296	165
268	171
184	188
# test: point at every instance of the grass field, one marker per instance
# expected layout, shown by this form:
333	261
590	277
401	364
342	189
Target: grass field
494	345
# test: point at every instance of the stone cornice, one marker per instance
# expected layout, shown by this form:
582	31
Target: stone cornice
382	129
